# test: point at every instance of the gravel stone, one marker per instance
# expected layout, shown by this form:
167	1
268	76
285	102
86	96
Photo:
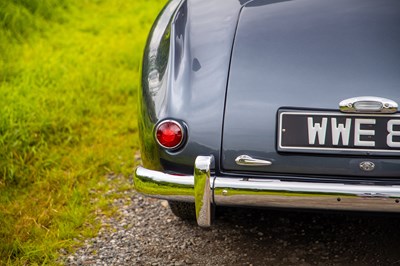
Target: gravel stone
145	232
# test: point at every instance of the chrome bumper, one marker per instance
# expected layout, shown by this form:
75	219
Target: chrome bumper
207	190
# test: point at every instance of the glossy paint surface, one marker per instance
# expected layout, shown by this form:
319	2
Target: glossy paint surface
184	77
286	54
308	55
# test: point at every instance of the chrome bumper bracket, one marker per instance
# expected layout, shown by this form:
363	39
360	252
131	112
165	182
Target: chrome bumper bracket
202	190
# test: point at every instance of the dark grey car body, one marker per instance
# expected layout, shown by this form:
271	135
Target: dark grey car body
227	68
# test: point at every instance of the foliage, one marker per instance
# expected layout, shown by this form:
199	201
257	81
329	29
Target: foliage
68	82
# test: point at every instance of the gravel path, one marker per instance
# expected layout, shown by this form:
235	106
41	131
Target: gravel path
145	232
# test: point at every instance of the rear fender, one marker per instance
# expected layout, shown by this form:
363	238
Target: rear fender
184	77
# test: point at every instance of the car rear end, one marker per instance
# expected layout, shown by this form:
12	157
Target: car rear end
307	116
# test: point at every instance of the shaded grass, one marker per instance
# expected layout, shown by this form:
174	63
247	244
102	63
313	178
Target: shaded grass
20	16
68	82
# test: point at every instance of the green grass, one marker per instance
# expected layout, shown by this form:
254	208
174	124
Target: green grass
69	74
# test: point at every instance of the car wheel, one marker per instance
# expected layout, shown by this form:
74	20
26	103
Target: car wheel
184	210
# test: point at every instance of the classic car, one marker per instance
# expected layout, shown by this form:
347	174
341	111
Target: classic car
272	103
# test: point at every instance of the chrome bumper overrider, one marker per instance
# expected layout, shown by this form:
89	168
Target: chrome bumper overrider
207	190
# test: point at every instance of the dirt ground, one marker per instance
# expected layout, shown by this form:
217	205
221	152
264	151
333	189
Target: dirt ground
146	233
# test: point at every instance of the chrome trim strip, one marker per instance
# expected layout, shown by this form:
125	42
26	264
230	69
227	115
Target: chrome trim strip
202	190
276	193
164	186
246	160
377	105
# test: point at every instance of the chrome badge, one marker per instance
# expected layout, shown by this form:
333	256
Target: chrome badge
367	166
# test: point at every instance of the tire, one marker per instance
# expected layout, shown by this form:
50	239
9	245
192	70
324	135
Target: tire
184	210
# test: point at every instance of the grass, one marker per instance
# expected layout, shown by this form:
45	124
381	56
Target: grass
69	74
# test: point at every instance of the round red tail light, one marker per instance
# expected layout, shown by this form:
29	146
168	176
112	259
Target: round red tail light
169	134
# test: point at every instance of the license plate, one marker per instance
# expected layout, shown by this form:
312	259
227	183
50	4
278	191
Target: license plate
334	132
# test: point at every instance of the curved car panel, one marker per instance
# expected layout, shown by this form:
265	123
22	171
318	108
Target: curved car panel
308	56
184	76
